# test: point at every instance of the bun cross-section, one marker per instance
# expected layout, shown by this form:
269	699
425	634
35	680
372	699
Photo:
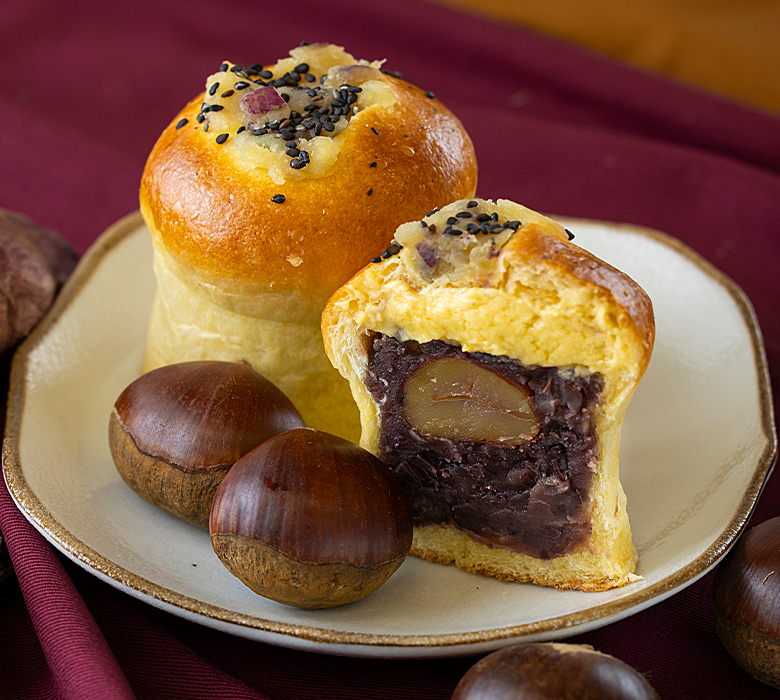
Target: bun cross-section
493	360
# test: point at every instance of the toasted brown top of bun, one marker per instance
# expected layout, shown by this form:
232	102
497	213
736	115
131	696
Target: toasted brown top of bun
228	202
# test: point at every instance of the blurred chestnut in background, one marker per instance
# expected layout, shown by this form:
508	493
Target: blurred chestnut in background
746	601
34	264
550	671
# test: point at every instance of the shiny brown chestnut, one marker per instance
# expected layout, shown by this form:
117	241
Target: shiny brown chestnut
552	671
746	601
175	431
311	520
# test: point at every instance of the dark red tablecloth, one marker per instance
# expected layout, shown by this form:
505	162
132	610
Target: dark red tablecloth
86	88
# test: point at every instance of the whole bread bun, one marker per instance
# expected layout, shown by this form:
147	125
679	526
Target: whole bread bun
270	190
493	361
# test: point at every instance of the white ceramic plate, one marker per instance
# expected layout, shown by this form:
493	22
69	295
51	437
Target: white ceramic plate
698	443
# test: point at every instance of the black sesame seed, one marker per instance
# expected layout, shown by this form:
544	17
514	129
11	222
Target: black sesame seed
213	89
237	69
284	96
432	228
428	93
302	68
451	220
227	93
393	73
222	138
471	227
260	131
569	234
181	123
256	67
463	214
216	108
240	129
514	225
483	217
290	144
328	126
297	164
376	260
472	203
370	191
375	131
241	85
423	224
305	157
354	88
449	231
431	212
494	217
266	74
223	67
373	165
292	152
200	118
317	129
278	198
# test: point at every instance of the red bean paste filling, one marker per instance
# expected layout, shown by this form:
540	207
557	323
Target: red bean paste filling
531	499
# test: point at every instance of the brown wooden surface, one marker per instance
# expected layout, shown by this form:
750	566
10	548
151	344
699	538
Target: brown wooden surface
729	47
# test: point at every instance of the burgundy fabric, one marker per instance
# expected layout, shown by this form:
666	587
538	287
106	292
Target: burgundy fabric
86	88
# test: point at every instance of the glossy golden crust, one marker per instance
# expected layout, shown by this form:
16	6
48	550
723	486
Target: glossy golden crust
248	248
216	216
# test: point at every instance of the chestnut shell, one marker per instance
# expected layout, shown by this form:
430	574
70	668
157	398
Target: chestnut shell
746	601
176	431
552	671
311	520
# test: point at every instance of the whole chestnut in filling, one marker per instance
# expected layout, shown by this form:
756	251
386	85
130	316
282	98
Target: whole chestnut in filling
454	422
311	520
175	431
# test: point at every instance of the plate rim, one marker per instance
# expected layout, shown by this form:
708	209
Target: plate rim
43	520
